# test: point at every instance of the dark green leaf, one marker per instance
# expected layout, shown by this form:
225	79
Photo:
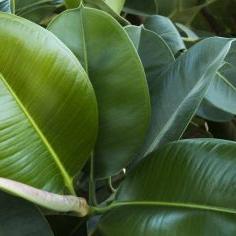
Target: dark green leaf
180	89
20	218
185	188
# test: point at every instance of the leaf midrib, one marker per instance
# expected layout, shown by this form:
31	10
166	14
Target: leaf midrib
67	178
171	204
167	125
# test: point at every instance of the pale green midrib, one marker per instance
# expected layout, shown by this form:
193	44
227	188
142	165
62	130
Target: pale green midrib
67	178
157	139
226	81
166	204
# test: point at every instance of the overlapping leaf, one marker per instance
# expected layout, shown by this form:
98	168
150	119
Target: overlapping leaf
165	28
118	78
36	10
178	89
185	188
19	217
222	92
48	112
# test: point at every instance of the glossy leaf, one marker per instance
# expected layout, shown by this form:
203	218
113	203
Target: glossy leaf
102	5
212	113
18	217
222	92
164	27
36	10
48	113
118	78
185	188
116	5
156	56
181	88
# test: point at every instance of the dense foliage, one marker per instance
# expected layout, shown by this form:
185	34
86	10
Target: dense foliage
117	117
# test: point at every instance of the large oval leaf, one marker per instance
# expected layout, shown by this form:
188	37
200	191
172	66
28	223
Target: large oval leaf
184	188
118	78
222	92
48	114
156	56
180	89
18	217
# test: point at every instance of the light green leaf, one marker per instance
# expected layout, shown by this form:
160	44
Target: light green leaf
185	188
164	27
116	5
118	78
48	112
20	218
102	5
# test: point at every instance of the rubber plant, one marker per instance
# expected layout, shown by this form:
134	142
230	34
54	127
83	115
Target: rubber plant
106	126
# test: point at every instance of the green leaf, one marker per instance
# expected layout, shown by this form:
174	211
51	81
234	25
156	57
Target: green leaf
222	92
151	48
5	5
212	113
19	217
116	5
182	11
118	78
36	10
102	5
185	188
72	3
180	88
140	7
48	120
51	201
164	27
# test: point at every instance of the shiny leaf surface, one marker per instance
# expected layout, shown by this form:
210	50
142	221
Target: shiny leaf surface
48	113
222	92
164	27
186	187
181	88
118	78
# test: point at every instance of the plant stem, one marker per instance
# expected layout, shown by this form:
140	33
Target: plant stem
92	184
113	190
